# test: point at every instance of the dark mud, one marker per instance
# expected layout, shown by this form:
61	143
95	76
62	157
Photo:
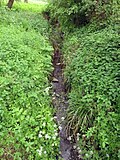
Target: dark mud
60	102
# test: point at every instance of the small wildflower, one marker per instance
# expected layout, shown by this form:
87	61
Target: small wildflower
55	125
83	135
55	144
47	136
79	156
63	118
56	134
60	128
40	135
78	138
91	152
45	152
78	134
40	132
54	137
69	138
107	155
87	155
60	152
40	151
53	98
74	147
78	148
79	151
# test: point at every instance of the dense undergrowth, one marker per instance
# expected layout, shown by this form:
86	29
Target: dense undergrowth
92	59
92	70
92	56
27	129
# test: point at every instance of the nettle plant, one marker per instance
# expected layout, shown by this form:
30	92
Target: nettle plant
27	129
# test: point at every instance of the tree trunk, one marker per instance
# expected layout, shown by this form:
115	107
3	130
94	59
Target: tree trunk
10	3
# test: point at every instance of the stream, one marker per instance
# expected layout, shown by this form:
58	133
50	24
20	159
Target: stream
60	103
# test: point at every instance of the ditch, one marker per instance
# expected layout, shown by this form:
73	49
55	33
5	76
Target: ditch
59	99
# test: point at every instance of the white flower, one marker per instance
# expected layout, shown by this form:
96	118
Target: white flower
69	138
60	128
107	155
87	155
79	151
54	137
83	135
40	151
53	98
79	156
55	117
78	148
47	136
91	152
45	152
40	132
62	118
55	125
56	134
40	135
53	144
78	134
74	147
77	138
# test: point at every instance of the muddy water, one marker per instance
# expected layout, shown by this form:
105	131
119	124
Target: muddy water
67	151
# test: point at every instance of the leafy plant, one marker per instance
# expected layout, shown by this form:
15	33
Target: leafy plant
79	12
92	59
27	128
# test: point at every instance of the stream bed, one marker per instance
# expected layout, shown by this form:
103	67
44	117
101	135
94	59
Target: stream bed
60	103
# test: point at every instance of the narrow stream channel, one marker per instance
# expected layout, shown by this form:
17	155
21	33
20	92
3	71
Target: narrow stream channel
60	102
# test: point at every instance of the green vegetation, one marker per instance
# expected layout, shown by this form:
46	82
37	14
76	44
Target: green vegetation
92	58
30	7
81	12
27	129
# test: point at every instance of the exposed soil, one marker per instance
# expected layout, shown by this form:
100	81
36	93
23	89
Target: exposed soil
60	102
